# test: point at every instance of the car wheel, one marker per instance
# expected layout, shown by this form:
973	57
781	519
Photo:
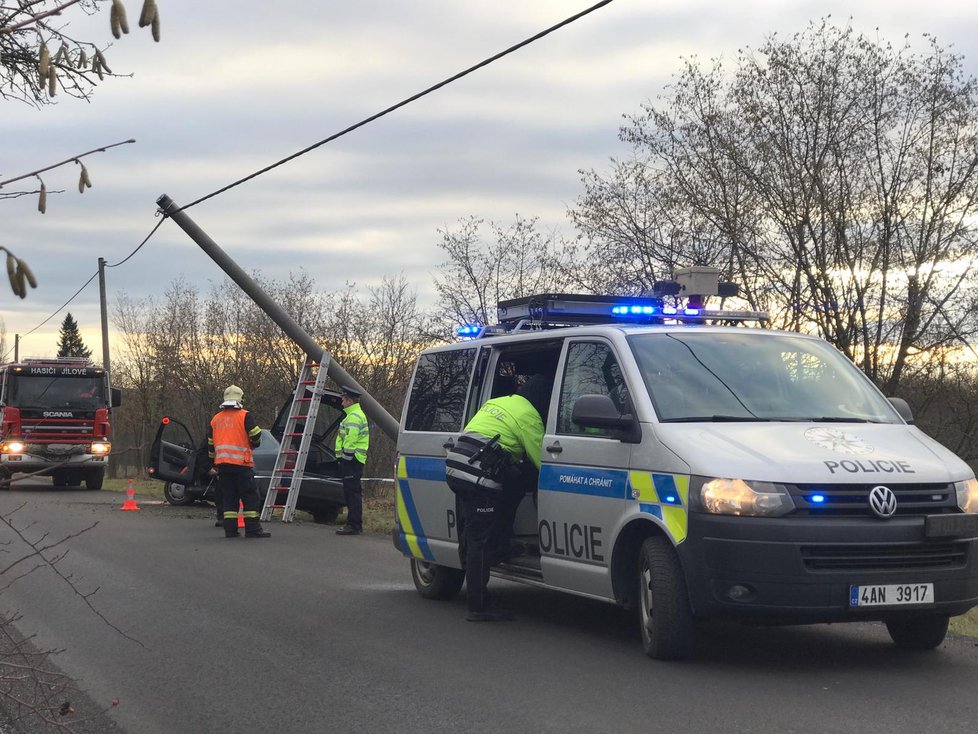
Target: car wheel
94	479
918	633
665	617
436	582
177	494
325	515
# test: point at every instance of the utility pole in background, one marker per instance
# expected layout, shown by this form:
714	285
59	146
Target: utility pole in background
16	347
105	319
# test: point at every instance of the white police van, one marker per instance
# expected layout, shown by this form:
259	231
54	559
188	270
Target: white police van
696	470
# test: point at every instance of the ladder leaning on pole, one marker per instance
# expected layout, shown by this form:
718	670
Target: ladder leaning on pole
290	464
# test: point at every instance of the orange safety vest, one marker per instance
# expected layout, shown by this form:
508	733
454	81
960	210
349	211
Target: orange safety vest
231	444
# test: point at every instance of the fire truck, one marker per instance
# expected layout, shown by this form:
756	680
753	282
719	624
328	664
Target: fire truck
54	416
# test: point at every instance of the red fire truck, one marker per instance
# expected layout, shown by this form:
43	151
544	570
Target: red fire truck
54	414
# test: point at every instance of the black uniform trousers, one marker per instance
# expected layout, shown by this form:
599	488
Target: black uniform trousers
237	485
353	492
485	535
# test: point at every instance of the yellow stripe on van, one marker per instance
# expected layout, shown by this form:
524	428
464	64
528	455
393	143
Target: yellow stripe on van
672	487
642	488
403	518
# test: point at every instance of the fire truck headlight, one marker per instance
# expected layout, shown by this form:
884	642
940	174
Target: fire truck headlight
967	492
12	447
101	448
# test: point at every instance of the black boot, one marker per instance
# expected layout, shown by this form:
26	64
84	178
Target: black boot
231	528
253	529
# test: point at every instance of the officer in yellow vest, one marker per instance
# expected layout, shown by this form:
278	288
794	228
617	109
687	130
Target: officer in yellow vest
483	470
233	434
352	442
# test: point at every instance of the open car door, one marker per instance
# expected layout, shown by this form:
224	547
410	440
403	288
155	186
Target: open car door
173	455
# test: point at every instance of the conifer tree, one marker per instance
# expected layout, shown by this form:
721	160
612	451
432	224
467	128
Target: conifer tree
70	343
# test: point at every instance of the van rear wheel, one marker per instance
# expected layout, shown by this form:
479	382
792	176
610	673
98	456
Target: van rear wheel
665	617
918	633
436	582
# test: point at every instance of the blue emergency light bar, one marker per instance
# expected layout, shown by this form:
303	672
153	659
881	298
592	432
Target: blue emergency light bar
555	310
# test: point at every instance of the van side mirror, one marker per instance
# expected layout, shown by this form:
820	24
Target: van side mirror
115	397
598	411
902	408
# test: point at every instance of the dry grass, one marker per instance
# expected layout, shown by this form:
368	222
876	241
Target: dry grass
966	624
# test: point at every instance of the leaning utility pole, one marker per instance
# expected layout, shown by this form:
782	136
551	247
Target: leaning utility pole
105	319
374	410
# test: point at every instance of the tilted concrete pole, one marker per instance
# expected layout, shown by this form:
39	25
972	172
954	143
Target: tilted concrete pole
374	410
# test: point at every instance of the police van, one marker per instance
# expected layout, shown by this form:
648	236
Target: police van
694	468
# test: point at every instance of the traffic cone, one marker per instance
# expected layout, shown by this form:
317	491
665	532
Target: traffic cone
130	503
240	514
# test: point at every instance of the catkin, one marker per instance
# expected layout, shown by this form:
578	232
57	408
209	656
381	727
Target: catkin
101	62
123	21
114	20
156	24
82	60
52	81
22	267
42	199
12	274
44	61
86	180
146	16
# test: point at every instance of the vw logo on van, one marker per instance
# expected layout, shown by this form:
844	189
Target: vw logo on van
882	501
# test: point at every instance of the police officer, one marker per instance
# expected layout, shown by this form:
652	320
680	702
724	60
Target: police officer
352	442
483	471
233	434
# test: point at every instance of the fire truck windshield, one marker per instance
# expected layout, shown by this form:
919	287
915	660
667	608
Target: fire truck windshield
44	392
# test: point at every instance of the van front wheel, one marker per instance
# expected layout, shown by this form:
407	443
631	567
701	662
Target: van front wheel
665	617
918	633
436	582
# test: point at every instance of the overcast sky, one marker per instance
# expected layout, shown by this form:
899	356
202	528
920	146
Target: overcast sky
237	85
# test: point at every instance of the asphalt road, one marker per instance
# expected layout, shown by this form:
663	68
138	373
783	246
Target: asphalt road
311	632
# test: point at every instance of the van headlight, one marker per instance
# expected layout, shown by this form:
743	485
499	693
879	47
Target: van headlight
747	498
967	492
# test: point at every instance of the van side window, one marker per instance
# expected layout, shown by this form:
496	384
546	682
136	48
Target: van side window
591	370
441	381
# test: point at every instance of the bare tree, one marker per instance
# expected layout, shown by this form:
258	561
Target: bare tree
518	261
832	174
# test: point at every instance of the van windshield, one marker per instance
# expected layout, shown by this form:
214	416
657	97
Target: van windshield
723	376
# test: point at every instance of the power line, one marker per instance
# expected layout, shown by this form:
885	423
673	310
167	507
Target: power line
340	134
402	103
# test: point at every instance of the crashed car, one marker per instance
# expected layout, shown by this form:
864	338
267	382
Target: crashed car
182	462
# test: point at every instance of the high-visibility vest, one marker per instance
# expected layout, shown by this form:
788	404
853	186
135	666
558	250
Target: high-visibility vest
353	437
517	422
231	445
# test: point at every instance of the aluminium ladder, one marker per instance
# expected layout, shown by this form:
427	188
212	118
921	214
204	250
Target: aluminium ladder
290	464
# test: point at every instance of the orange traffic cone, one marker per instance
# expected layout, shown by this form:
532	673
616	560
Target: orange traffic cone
240	514
130	503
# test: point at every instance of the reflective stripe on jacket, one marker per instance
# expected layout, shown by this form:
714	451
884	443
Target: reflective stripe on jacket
231	440
353	438
517	422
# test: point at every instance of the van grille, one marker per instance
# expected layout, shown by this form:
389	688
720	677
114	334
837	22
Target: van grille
884	557
852	500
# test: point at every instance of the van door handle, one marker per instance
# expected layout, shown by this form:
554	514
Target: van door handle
555	447
449	444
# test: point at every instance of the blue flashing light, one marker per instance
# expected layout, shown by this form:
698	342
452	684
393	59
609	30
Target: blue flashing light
469	330
817	499
670	499
670	310
691	311
634	310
